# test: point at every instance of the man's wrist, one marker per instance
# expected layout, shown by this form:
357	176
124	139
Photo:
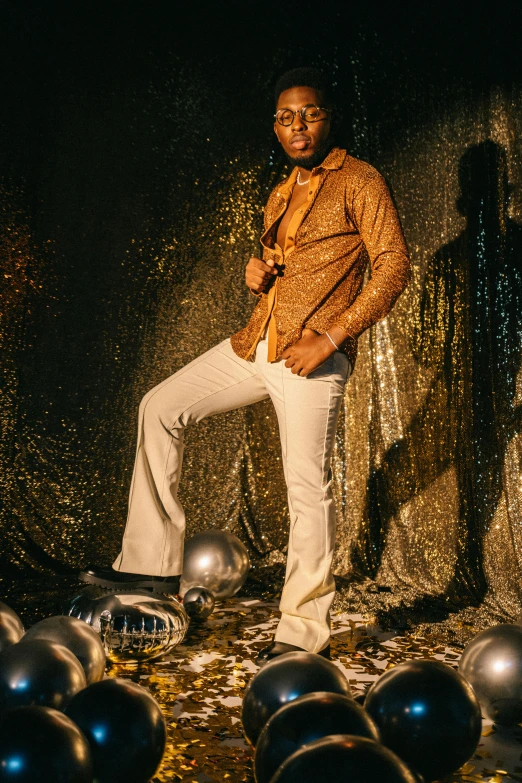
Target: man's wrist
332	341
326	345
336	335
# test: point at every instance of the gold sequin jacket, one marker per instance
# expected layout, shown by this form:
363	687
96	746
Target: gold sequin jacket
348	221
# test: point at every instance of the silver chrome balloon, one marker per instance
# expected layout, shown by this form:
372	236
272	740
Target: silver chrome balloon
133	626
11	628
198	603
217	560
492	664
78	637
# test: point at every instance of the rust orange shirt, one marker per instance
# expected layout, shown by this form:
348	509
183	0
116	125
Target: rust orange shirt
348	222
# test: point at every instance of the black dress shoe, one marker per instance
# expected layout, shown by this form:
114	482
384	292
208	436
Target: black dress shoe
121	580
280	648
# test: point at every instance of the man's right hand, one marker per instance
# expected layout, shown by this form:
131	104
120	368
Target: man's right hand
258	275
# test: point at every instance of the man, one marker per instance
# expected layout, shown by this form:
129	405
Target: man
323	224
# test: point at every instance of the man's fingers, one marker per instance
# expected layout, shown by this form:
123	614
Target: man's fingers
259	264
294	364
259	289
257	280
258	274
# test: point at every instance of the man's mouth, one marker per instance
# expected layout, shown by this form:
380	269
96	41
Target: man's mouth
300	142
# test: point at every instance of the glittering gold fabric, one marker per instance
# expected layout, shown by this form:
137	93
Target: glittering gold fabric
348	222
426	467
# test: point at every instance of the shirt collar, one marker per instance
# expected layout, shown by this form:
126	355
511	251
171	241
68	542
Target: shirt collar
334	160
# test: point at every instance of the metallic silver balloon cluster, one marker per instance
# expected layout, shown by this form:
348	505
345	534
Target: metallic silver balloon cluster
217	560
138	625
133	626
215	566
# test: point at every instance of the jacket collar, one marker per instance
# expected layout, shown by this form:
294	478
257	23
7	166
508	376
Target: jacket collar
334	160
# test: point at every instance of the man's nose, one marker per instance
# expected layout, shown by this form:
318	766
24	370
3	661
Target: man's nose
298	123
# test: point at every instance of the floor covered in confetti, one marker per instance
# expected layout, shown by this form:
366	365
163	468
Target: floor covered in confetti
200	684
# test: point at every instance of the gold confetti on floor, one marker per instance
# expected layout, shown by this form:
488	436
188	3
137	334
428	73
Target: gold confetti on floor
200	686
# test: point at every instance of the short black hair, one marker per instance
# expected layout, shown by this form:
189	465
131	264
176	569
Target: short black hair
305	77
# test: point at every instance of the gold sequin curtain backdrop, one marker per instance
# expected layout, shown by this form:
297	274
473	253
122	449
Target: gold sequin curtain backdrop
427	459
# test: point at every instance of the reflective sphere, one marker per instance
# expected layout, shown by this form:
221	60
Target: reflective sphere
11	628
134	626
284	679
360	697
492	664
217	560
431	702
304	720
198	603
125	728
39	672
344	759
38	743
78	637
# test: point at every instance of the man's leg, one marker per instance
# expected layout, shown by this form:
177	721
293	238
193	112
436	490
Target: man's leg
307	411
215	382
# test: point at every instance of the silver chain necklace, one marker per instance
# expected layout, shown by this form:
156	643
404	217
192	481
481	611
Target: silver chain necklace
299	179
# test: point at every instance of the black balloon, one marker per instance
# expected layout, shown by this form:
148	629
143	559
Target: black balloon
11	628
125	729
284	679
39	672
41	744
427	714
78	637
344	759
304	720
359	697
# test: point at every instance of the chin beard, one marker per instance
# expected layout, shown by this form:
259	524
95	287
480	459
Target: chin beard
309	162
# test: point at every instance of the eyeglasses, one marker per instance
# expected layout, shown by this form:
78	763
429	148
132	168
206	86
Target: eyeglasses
309	113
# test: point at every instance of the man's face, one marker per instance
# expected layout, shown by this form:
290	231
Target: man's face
304	143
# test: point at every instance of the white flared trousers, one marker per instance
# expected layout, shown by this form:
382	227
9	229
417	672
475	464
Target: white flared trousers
307	411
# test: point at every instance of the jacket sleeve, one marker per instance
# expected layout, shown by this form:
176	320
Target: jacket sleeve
375	217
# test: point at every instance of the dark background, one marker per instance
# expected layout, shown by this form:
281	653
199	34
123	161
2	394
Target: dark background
136	154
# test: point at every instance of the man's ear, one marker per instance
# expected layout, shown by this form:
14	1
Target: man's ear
276	133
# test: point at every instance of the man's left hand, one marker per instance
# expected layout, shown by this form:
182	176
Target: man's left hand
308	353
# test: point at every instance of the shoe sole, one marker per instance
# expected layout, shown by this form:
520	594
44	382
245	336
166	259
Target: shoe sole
164	589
